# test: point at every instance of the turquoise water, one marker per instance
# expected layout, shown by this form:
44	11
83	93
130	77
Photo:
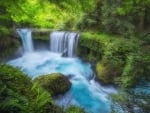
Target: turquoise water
143	87
85	91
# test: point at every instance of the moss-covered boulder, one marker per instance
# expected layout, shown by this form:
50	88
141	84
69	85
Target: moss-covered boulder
108	71
55	83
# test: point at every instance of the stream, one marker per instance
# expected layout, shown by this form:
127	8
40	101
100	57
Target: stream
85	91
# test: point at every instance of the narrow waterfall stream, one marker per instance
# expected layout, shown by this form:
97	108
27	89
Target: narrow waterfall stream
85	91
26	37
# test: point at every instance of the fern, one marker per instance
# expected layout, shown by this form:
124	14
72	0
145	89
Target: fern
41	97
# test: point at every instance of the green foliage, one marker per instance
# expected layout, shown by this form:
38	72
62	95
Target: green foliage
91	20
49	13
122	62
19	95
114	23
117	17
134	70
118	60
41	99
55	83
5	29
41	35
86	22
74	109
13	91
121	98
129	73
86	42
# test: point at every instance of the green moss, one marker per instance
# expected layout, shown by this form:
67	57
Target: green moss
108	71
74	109
95	45
93	41
133	71
116	67
7	46
120	97
55	83
41	35
92	45
103	44
112	55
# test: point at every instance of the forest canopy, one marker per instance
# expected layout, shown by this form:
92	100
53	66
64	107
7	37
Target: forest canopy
50	13
112	16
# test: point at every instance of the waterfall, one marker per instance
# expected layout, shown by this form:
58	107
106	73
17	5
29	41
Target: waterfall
60	42
64	43
26	37
85	91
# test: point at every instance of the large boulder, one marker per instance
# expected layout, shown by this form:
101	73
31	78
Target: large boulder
55	83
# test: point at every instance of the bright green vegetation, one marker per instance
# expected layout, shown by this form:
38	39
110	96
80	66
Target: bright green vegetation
52	14
118	60
117	17
19	94
55	83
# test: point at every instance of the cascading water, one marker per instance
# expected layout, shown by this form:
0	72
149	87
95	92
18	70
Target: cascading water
26	38
85	91
64	42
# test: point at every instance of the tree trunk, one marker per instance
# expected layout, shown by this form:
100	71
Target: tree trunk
142	20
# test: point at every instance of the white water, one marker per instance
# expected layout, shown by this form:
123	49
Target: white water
85	91
26	38
64	42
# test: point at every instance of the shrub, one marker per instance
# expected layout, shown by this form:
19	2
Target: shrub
116	66
134	70
19	95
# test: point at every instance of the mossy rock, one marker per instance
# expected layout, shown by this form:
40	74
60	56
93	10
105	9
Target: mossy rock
108	72
55	83
8	45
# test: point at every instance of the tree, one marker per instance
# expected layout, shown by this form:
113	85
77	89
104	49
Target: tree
139	9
